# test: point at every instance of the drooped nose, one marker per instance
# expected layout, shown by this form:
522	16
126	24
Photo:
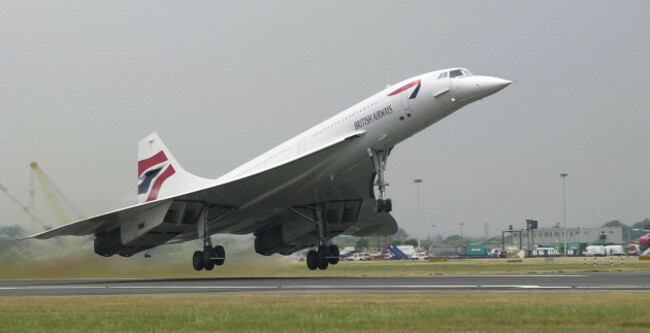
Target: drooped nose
489	85
476	87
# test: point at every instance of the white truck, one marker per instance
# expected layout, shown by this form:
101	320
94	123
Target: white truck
594	251
419	256
546	252
614	250
496	253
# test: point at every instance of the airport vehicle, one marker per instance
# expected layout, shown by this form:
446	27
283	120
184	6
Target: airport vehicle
475	251
546	252
594	251
393	252
614	250
300	194
420	256
496	253
445	252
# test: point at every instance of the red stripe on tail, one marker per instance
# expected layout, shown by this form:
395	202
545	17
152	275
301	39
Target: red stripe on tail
151	161
159	181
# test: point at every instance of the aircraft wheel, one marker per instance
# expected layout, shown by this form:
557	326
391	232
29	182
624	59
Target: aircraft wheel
312	260
388	206
208	262
197	260
220	253
334	252
322	258
380	206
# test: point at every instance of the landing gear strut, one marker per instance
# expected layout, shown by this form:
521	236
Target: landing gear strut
379	159
325	255
210	256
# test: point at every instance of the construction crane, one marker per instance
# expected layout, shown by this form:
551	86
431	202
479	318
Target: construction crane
52	195
26	209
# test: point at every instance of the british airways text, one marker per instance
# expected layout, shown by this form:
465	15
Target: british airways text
367	120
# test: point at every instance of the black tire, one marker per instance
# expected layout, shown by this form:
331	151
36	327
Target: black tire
334	254
380	206
312	260
208	262
221	253
388	206
322	258
197	260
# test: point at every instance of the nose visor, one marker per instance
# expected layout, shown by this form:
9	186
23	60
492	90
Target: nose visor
472	88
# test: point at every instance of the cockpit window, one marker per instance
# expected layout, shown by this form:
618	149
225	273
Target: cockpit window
454	73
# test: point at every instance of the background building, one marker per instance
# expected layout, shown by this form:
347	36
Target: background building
577	239
577	235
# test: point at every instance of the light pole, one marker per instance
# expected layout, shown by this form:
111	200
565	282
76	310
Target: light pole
417	182
563	175
461	229
433	235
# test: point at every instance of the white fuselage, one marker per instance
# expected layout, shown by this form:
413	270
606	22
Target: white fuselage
384	119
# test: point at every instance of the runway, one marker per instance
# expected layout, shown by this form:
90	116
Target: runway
580	282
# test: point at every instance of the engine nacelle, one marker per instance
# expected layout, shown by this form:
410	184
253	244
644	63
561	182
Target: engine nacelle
269	241
285	238
108	243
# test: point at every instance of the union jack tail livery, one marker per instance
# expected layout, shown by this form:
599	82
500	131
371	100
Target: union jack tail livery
159	173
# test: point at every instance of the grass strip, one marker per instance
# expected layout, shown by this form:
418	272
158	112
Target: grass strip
327	313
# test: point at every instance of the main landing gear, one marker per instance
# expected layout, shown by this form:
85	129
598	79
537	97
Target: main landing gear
379	159
325	255
210	256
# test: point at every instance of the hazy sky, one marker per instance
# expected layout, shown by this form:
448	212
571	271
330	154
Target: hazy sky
223	81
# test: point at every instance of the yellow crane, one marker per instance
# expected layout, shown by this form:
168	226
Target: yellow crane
52	195
24	207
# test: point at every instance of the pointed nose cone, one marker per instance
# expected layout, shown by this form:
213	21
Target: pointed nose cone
473	88
491	85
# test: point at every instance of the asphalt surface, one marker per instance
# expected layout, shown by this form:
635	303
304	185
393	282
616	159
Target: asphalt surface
579	282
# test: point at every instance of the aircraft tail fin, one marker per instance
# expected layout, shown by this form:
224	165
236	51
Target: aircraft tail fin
159	173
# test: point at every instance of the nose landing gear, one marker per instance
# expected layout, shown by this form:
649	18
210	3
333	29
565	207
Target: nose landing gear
379	159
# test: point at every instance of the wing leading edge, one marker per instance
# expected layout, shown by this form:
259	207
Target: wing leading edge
253	195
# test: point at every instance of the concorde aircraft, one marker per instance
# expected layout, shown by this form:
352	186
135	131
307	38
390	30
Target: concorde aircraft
327	181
